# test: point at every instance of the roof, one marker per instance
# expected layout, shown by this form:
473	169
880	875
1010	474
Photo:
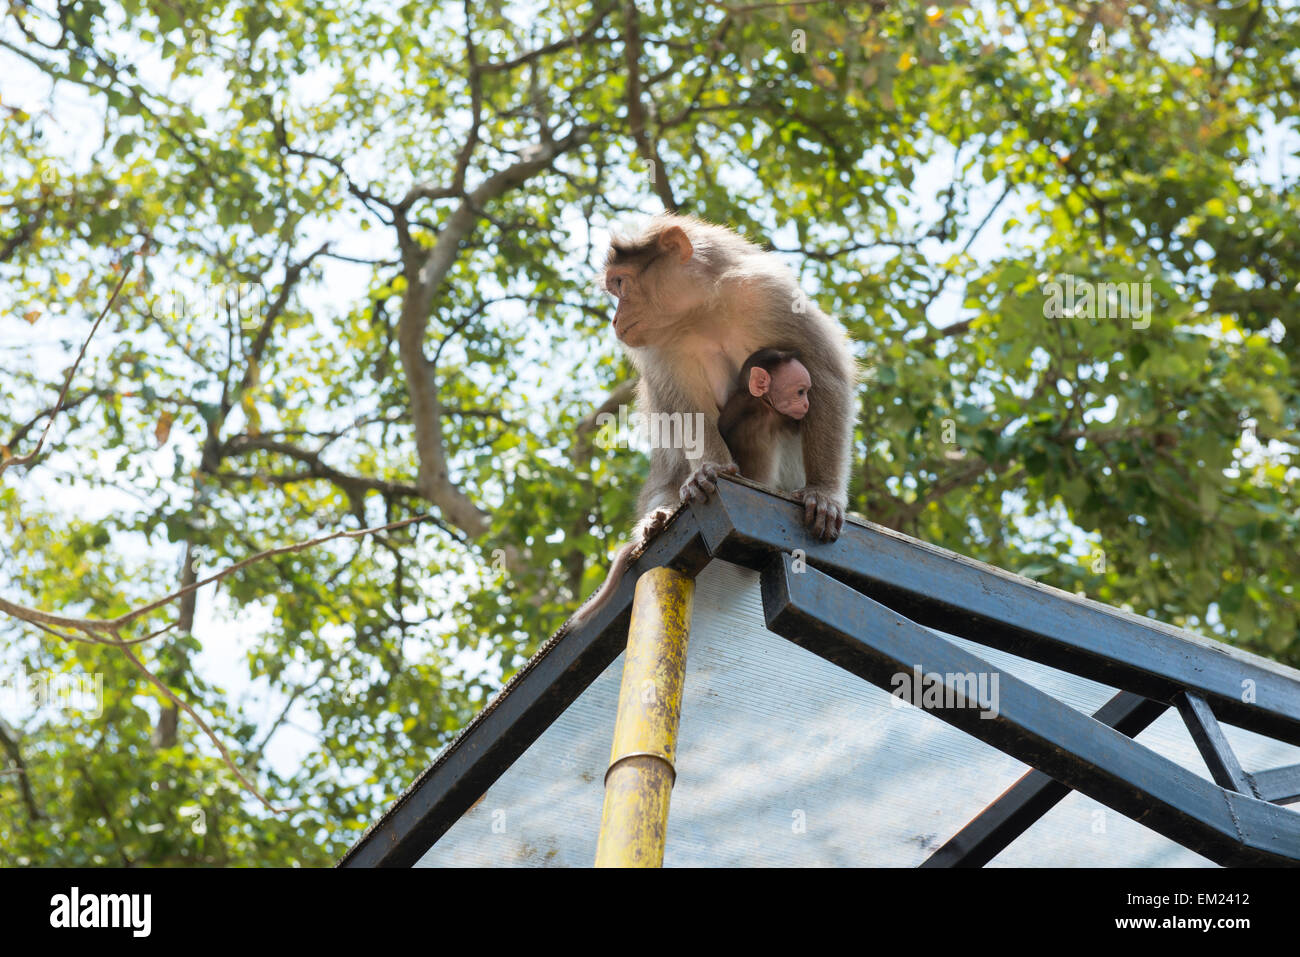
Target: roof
867	603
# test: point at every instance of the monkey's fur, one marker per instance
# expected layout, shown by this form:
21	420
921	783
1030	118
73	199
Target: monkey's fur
694	301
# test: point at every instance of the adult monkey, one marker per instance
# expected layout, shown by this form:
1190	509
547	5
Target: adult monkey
695	300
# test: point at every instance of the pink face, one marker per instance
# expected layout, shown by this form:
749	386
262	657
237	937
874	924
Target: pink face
786	387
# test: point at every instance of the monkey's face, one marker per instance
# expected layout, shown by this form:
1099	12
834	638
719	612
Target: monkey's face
789	390
633	317
654	285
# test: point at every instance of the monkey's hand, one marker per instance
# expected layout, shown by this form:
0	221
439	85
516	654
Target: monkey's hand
823	512
704	482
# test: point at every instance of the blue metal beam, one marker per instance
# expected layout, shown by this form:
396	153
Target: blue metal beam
1279	785
1022	804
955	594
551	681
869	640
937	588
1215	750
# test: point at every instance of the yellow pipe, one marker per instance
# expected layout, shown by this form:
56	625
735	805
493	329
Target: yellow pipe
640	778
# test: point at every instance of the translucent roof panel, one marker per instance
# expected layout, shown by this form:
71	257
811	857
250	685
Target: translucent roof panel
787	760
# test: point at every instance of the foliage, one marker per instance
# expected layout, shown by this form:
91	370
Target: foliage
360	239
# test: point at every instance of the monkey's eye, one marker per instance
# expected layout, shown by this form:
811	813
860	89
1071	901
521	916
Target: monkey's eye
615	285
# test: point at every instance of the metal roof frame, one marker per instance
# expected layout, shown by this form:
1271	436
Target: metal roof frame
866	603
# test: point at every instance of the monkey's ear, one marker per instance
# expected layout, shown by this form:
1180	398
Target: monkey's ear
759	381
674	240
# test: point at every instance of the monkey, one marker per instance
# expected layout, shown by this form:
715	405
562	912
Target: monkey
763	414
694	300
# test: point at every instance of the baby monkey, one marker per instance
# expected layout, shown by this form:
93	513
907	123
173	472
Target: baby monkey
763	414
760	424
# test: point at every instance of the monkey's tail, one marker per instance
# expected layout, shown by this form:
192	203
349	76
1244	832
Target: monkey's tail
625	557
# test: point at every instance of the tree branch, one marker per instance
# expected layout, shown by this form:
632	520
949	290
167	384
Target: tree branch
354	485
9	744
107	632
7	461
424	273
648	149
506	65
96	628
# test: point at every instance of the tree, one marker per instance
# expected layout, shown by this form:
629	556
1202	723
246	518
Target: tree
356	243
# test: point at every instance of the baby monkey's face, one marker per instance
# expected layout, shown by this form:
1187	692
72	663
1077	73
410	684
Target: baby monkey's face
788	389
